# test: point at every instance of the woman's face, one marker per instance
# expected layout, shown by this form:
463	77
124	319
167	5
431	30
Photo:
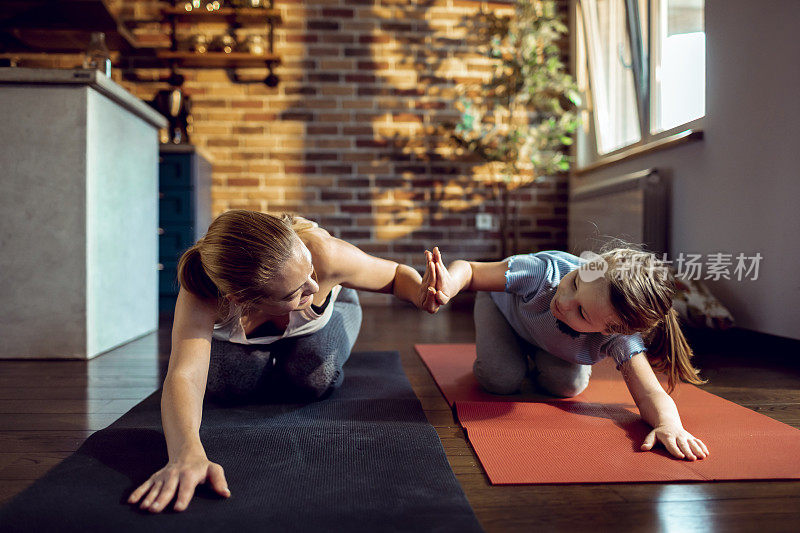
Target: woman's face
294	286
582	306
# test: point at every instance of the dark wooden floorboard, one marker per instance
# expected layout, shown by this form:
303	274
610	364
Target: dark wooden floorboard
48	408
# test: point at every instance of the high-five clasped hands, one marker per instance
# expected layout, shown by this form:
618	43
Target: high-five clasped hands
438	285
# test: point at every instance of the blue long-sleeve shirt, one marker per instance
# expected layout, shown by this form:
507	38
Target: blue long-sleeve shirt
531	282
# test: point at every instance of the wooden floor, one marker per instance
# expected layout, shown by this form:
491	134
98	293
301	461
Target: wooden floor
48	408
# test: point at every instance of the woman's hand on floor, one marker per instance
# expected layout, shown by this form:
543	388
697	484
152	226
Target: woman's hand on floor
677	441
182	476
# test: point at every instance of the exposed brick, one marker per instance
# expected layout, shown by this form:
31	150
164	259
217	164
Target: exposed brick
336	195
300	90
374	39
370	143
300	169
258	117
336	38
337	13
322	130
322	25
350	137
358	130
302	38
336	169
356	52
326	77
353	182
373	65
320	156
396	26
295	115
359	78
355	208
323	51
243	182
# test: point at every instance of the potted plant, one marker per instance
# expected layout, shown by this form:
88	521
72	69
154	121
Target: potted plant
521	121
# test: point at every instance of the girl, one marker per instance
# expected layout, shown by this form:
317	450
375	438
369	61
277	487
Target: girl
267	307
568	314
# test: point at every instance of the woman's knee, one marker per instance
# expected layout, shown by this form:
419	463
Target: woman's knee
313	364
237	372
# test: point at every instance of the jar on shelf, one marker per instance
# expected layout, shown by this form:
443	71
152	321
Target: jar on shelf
223	43
254	44
249	3
203	5
198	43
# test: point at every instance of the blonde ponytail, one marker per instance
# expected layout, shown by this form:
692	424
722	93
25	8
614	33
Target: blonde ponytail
192	276
669	352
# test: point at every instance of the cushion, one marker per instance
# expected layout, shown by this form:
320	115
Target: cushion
697	307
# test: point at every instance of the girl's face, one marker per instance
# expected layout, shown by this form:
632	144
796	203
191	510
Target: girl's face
294	286
582	306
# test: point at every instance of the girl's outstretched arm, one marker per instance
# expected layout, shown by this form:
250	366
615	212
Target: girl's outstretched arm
659	410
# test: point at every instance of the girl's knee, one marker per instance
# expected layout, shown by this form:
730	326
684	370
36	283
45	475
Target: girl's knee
498	380
564	385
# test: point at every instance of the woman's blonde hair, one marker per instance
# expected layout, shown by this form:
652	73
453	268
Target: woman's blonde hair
641	289
238	256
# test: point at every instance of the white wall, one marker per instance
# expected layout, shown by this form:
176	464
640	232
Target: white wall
738	190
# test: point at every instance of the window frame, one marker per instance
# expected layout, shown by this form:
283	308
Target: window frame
588	157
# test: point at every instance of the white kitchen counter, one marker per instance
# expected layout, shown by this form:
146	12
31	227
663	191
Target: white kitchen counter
79	208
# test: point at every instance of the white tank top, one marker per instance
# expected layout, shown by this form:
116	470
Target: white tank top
301	322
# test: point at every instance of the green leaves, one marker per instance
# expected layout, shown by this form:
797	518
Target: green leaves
525	115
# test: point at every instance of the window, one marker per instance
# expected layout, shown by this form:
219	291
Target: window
642	65
679	58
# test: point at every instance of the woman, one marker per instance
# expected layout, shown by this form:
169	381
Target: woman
267	307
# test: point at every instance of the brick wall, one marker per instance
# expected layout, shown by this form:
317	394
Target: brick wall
349	137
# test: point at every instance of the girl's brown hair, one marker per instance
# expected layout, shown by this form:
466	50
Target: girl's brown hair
641	289
239	254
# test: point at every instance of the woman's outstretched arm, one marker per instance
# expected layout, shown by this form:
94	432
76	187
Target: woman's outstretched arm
343	263
181	412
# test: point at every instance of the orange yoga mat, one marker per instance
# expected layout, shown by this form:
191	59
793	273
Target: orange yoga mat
595	437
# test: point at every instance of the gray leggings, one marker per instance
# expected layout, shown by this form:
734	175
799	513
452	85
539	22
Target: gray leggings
502	362
301	368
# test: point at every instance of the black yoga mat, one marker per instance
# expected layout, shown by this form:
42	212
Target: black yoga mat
364	459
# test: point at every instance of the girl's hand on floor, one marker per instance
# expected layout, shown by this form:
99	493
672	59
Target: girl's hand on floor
184	476
677	441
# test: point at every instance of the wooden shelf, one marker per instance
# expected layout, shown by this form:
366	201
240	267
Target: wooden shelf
66	26
185	59
59	27
240	15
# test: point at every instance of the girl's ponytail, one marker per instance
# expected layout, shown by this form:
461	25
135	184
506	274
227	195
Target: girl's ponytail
669	352
192	276
641	290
